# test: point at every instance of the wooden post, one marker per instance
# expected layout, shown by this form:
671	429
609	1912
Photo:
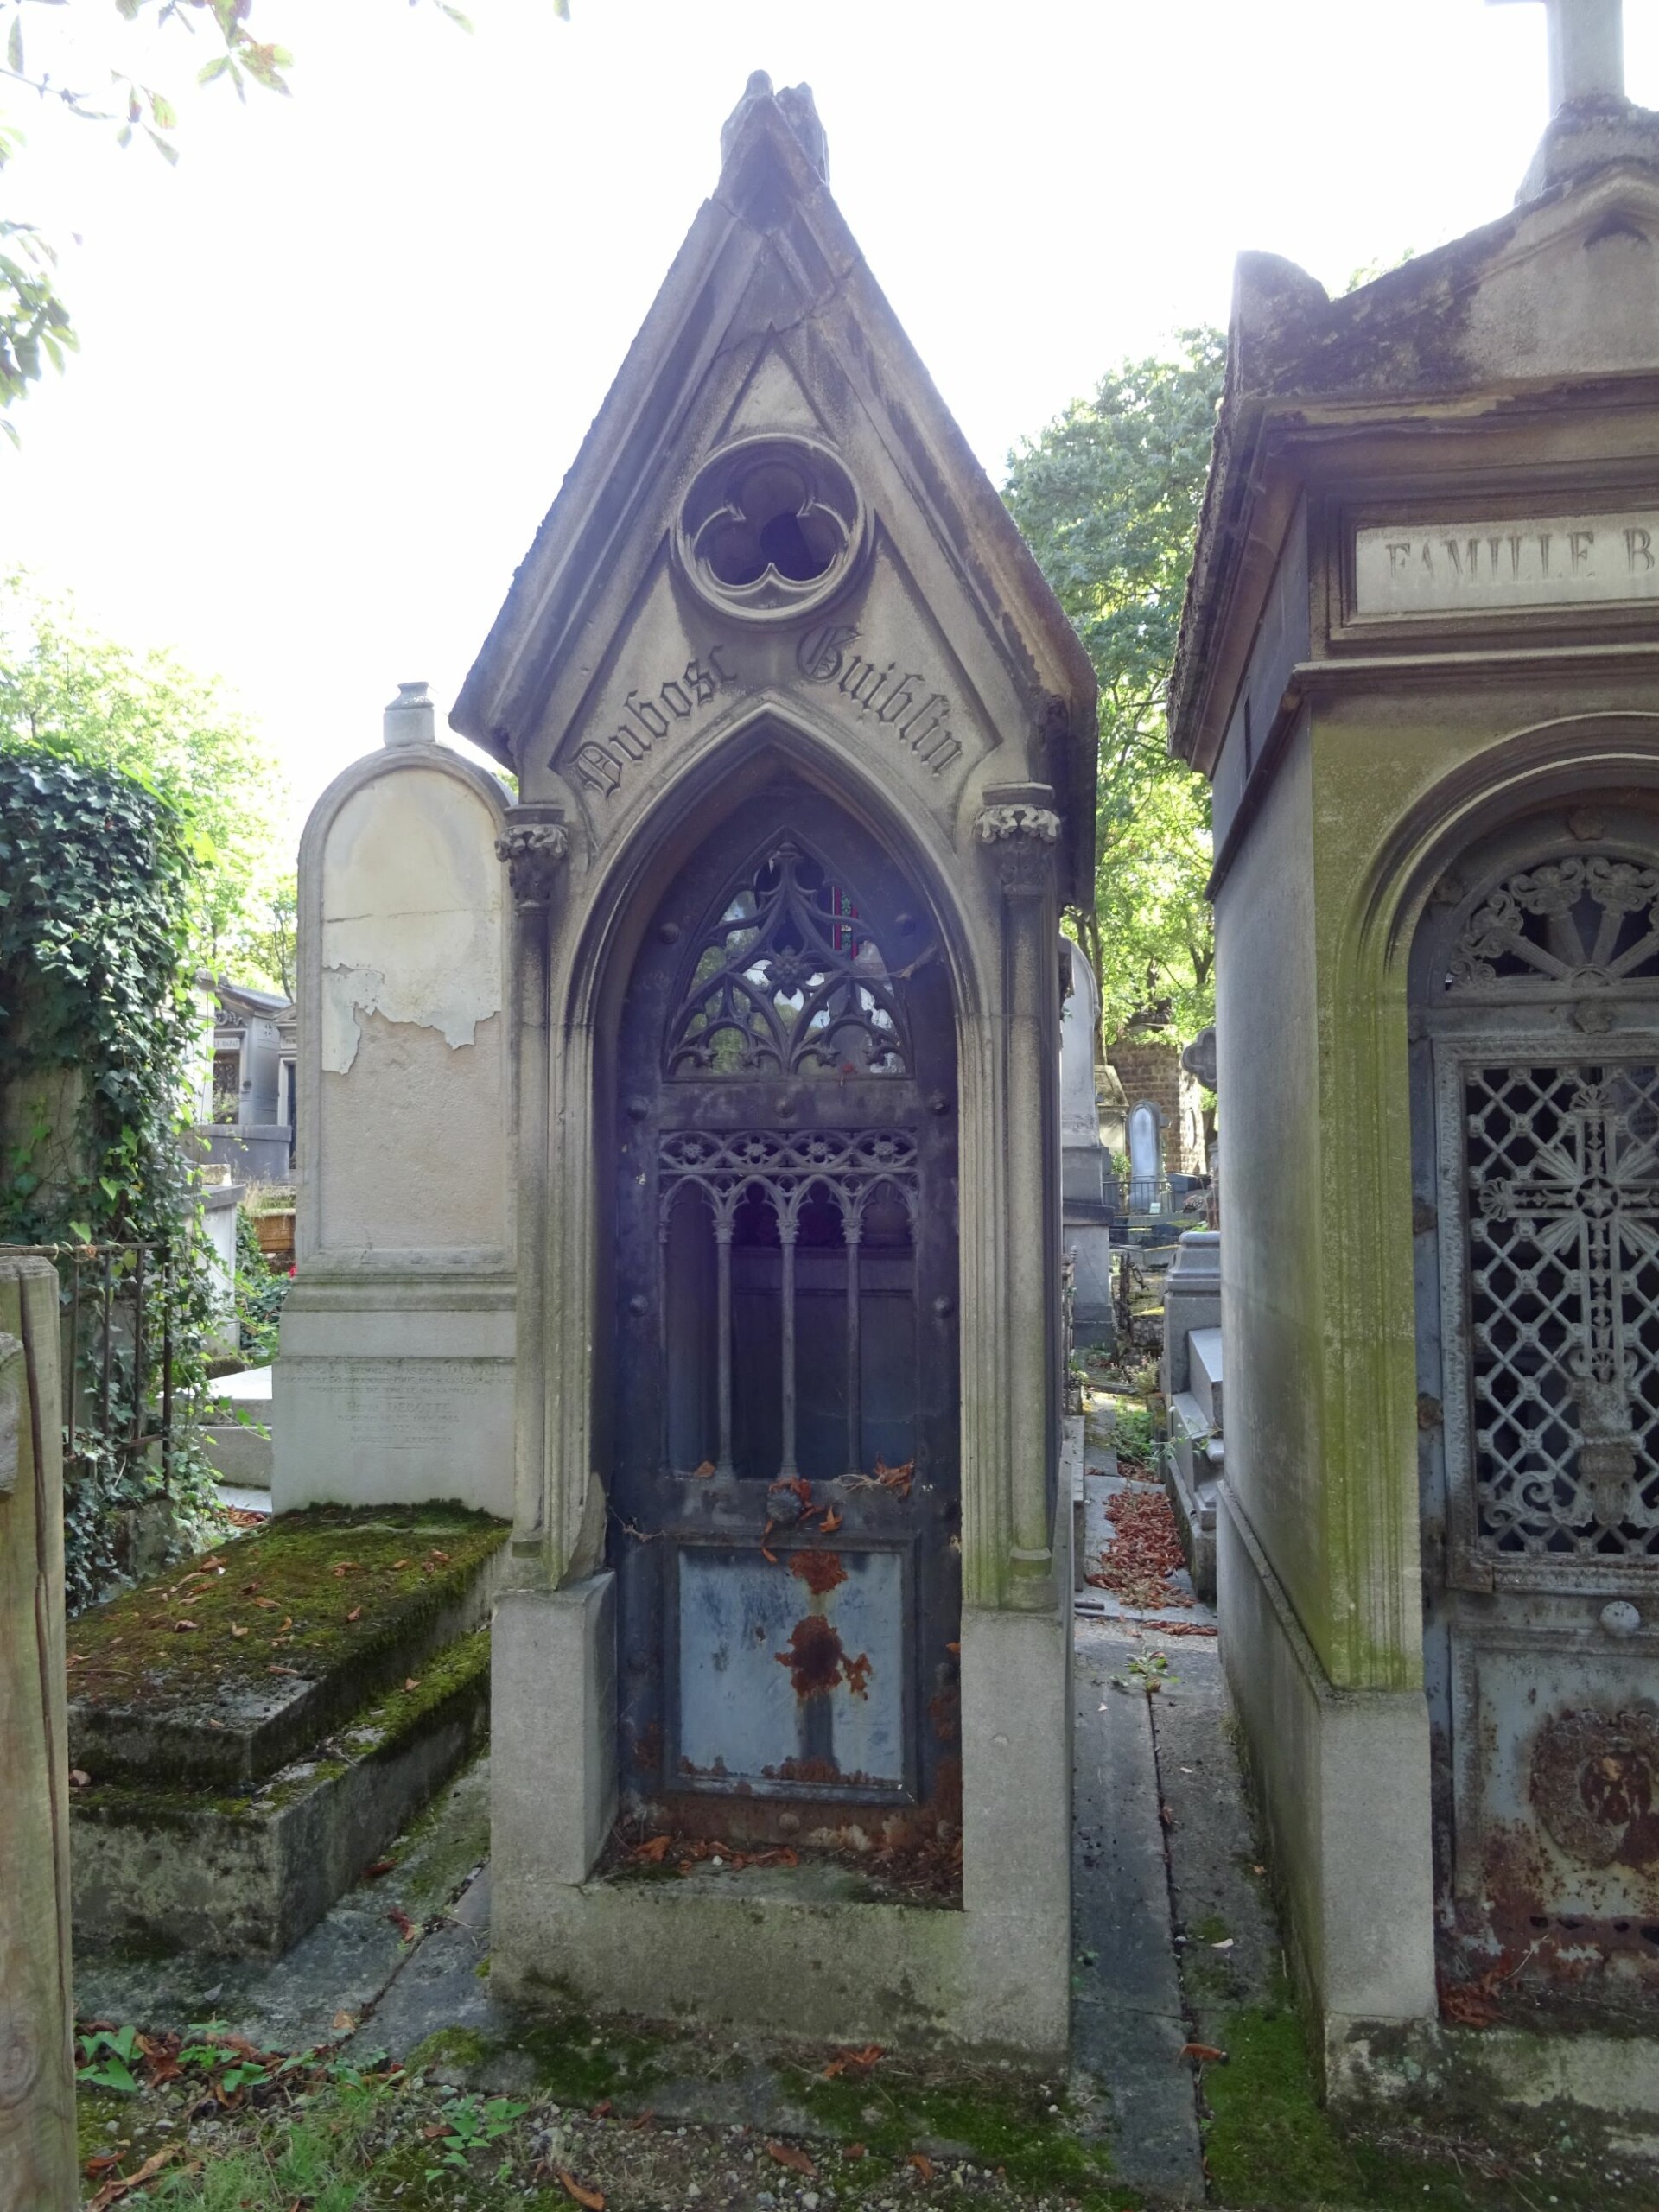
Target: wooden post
37	2069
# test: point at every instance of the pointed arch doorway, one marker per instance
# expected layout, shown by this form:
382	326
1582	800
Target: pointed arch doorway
785	1485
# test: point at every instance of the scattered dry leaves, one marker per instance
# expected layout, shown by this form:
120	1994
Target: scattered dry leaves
1144	1554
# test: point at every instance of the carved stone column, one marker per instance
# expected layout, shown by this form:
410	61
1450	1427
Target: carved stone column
534	846
1021	831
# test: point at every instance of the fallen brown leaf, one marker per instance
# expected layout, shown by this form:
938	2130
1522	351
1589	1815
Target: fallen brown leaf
377	1868
79	1777
344	2024
705	1470
859	2061
293	1671
411	1681
180	1627
102	2163
401	1921
792	2155
653	1852
643	2121
347	1567
267	1605
356	1613
248	1589
601	2110
832	1521
1206	2053
235	1630
114	2190
431	2134
442	1558
920	2159
854	2150
593	2199
396	1563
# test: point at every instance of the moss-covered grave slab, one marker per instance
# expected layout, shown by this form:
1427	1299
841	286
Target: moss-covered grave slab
219	1674
249	1734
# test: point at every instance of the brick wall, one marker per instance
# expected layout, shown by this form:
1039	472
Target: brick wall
1149	1068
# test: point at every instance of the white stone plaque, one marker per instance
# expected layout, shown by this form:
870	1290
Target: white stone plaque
1453	567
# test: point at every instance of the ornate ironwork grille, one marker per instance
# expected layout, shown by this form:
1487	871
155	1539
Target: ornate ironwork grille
1564	1294
1536	1110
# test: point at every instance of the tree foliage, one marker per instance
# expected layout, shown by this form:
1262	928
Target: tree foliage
1107	498
98	1039
35	327
69	693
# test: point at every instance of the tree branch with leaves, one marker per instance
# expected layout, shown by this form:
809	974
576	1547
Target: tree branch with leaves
1108	499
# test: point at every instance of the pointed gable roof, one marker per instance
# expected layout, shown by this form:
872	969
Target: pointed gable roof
767	254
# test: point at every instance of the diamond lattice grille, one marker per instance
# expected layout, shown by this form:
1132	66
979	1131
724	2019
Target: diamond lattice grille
1563	1259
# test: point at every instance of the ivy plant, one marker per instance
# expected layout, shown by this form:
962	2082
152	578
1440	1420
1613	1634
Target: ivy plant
98	1035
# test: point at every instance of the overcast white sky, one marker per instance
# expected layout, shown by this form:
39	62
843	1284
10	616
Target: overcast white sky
336	362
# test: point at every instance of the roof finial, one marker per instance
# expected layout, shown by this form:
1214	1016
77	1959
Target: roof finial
795	103
1587	50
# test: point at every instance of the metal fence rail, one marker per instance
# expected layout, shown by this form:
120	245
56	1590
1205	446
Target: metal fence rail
116	1303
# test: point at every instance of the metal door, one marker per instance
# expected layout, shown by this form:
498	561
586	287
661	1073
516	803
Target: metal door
1537	1173
784	1489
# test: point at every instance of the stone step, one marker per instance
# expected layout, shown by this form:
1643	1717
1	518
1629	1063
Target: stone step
290	1631
158	1869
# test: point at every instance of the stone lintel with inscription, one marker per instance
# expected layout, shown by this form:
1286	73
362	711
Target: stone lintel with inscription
899	708
1609	559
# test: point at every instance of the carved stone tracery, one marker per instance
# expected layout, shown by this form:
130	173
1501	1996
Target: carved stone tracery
788	979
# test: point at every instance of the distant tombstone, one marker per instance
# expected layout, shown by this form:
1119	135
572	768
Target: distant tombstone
1146	1157
1088	1189
394	1381
38	2162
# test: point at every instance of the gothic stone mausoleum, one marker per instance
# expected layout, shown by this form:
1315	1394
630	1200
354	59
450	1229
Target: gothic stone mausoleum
805	754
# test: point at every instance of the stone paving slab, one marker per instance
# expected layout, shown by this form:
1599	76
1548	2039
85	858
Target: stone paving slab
1128	2021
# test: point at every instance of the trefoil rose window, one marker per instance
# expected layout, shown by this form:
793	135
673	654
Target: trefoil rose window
771	528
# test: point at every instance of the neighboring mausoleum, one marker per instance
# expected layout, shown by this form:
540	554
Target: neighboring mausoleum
1419	664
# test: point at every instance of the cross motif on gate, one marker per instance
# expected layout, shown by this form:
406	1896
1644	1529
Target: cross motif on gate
1587	50
1596	1186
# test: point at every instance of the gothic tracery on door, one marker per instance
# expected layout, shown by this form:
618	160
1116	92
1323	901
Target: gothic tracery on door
784	1492
1535	982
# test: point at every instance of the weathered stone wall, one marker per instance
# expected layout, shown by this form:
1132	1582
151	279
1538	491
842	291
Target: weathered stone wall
1149	1068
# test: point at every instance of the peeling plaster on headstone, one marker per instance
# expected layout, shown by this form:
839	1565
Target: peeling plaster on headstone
412	916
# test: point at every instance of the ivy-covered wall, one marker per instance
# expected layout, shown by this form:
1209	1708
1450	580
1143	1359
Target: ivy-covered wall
96	1036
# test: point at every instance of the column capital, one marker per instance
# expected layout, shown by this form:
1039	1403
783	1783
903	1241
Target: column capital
1018	827
534	846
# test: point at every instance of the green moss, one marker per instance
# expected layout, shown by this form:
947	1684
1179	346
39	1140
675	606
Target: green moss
1270	2146
460	1672
447	1674
576	2060
996	2122
406	1564
1213	1929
